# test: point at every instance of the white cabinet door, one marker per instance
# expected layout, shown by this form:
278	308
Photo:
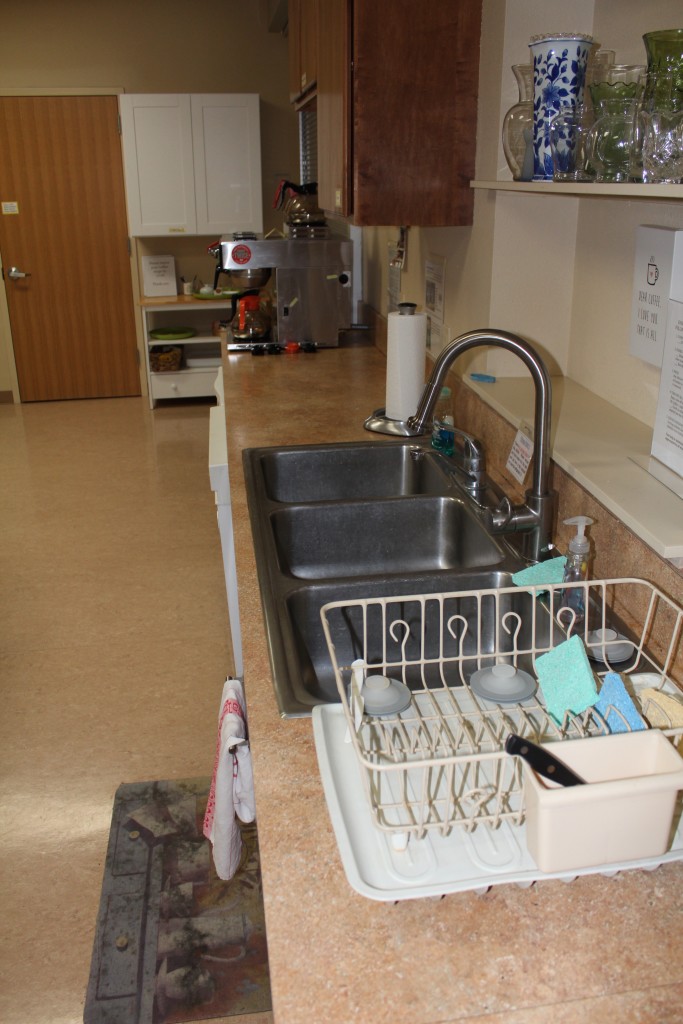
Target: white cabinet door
158	162
192	163
227	163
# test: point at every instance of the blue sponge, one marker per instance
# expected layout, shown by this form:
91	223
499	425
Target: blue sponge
551	571
615	698
566	679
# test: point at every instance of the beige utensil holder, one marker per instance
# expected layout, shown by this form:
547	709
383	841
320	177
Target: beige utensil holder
623	813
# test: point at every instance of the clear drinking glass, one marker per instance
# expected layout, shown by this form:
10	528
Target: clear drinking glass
569	144
598	63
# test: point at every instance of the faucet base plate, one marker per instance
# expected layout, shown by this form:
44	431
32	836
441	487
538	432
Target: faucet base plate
383	424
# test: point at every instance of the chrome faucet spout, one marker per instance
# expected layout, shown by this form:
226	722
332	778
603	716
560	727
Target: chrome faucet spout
535	518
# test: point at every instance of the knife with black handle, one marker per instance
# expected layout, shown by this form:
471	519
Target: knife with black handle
542	761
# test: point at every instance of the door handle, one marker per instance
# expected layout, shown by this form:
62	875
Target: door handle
14	273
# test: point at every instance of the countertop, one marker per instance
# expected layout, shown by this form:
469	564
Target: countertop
598	948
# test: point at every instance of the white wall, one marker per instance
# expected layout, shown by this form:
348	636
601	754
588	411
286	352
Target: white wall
599	356
601	323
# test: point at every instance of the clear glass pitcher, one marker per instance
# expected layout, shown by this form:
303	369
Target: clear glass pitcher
611	138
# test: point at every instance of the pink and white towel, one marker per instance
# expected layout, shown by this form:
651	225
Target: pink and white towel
232	785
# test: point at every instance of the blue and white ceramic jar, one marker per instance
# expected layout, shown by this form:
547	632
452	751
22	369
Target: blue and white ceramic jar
559	61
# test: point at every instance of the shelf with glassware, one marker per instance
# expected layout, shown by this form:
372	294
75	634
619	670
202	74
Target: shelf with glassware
606	189
182	348
615	138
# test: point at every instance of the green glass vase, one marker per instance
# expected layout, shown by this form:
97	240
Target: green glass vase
664	50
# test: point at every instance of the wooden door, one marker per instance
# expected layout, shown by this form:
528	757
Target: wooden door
63	221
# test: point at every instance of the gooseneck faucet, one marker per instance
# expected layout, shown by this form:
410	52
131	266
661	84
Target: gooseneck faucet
535	517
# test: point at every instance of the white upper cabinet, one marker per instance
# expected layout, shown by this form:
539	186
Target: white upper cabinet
192	163
227	163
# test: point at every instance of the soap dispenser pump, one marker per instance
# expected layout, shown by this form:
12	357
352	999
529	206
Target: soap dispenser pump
576	568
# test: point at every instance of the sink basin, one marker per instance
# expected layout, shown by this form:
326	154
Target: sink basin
350	472
304	647
381	537
350	521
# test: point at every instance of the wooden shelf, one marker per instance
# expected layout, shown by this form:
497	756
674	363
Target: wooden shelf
188	381
178	301
671	193
196	339
186	370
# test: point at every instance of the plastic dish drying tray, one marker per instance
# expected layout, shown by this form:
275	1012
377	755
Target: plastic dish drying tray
427	802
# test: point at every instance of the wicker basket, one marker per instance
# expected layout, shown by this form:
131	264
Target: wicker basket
165	358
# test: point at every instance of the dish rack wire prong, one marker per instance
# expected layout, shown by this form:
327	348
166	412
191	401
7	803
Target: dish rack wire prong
441	763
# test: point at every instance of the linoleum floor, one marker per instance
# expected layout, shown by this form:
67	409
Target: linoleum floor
114	646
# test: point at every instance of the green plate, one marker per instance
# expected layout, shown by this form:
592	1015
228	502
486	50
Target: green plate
171	334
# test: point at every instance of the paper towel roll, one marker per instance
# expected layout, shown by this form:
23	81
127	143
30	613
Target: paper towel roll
406	349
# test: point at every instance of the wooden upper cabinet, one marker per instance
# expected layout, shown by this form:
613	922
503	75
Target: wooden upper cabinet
415	85
334	108
397	90
303	46
294	44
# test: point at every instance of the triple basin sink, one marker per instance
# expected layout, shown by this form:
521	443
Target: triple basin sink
348	521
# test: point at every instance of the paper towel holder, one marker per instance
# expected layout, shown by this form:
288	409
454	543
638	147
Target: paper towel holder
379	421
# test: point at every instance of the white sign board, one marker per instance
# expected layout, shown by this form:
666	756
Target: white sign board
520	456
667	440
158	276
658	252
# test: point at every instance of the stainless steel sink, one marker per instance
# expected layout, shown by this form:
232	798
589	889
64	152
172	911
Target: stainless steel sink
349	472
338	522
377	538
301	647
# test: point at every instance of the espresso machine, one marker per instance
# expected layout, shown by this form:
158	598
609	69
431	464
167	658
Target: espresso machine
311	278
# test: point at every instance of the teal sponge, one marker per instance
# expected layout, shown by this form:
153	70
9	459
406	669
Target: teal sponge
614	698
551	571
566	679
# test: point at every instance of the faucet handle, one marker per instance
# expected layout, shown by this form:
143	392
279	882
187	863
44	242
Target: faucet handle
472	455
509	518
468	456
499	518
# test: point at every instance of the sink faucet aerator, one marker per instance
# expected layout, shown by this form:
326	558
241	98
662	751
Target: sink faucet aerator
535	517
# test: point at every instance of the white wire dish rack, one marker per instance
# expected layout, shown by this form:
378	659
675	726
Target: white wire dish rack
440	765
